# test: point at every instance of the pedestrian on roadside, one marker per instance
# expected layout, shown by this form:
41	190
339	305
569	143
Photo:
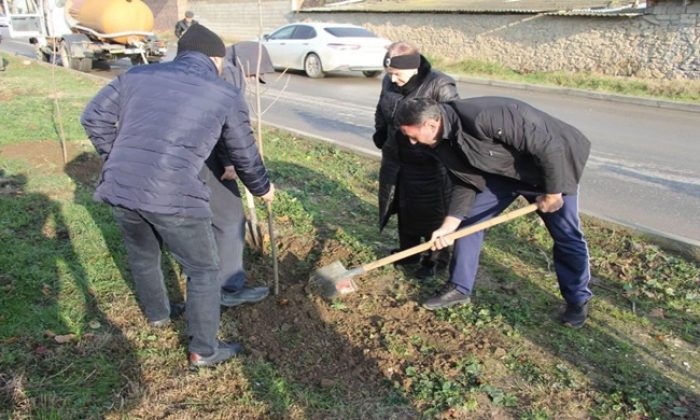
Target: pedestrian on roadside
2	60
412	183
497	149
153	127
183	25
219	173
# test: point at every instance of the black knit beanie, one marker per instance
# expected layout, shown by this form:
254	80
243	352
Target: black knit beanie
199	38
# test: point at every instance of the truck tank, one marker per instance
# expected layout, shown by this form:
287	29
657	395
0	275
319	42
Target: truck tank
108	17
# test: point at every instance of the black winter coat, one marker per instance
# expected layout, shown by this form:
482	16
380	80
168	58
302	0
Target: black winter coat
411	180
507	137
155	125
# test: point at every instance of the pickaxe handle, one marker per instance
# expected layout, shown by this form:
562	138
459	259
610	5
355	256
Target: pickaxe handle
454	235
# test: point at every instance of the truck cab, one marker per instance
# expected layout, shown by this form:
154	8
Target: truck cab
57	36
20	18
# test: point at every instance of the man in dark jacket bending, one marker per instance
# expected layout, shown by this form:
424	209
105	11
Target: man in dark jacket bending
153	127
497	149
228	219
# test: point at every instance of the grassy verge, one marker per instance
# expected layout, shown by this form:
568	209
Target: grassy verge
74	345
676	90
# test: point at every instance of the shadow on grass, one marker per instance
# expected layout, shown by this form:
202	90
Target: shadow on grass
353	220
300	365
610	358
84	170
60	357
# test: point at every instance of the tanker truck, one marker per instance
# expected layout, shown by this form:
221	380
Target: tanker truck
80	32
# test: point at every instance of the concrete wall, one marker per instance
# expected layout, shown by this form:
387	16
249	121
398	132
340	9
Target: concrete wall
665	44
238	19
662	44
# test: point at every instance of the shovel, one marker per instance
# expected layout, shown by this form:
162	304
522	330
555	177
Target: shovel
273	247
334	279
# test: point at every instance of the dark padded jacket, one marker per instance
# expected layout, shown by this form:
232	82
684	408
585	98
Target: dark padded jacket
424	182
181	27
507	137
155	125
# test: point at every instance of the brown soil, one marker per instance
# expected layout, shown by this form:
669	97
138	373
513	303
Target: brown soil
360	345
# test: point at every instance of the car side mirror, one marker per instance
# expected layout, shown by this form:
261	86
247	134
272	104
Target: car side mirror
266	37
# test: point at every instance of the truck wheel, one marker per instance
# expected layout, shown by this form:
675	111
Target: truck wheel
75	63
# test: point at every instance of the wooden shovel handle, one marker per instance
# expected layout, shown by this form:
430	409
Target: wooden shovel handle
454	235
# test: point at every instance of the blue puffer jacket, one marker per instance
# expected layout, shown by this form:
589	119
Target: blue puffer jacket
155	125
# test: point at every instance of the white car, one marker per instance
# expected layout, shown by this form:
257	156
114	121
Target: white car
318	48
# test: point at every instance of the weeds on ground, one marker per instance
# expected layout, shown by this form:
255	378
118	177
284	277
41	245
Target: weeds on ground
73	343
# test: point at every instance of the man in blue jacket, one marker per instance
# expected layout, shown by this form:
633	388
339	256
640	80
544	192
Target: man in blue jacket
153	127
497	149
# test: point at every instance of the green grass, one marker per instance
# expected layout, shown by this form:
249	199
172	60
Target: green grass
63	271
676	90
29	88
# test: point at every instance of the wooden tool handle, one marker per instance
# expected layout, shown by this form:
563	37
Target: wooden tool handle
454	235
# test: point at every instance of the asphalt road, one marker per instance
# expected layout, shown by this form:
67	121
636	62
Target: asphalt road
644	169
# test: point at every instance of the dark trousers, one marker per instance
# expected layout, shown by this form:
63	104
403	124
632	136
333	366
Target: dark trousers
228	221
570	250
191	242
439	259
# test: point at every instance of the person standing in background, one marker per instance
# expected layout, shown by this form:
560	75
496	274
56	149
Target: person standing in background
412	183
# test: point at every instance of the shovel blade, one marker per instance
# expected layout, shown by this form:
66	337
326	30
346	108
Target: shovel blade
331	280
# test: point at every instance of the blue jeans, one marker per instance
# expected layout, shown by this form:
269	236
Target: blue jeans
228	222
191	242
570	250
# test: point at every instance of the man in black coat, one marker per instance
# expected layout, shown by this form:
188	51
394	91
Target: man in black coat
228	219
153	127
497	149
183	25
414	186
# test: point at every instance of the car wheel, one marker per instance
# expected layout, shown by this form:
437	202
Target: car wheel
372	73
312	66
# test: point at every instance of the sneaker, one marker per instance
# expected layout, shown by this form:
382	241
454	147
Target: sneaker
449	296
176	311
245	295
224	352
574	316
424	272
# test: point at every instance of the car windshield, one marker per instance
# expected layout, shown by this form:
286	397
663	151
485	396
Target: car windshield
345	32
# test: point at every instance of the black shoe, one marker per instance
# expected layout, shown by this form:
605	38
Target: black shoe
424	272
449	296
245	295
574	316
413	259
226	351
176	311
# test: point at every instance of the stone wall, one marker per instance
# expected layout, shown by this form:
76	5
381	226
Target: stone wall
665	44
237	20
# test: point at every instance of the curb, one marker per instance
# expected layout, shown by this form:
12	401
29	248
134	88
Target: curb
687	247
91	76
602	96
